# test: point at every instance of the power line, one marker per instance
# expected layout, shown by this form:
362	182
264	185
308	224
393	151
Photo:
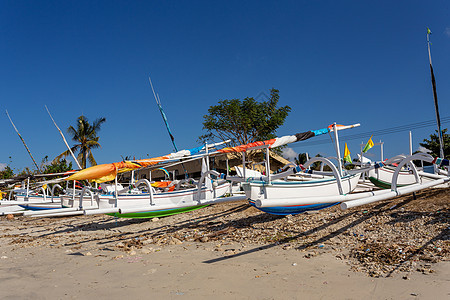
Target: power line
380	132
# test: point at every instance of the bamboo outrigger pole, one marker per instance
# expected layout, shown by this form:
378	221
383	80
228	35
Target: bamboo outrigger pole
433	83
64	139
23	141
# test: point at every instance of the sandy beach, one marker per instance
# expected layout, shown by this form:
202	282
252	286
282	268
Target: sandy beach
397	249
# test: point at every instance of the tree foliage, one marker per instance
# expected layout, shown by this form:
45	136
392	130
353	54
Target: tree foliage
6	173
432	144
301	159
59	166
86	138
245	121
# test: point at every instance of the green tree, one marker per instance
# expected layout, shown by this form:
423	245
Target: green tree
27	172
432	144
6	173
59	166
85	136
245	121
300	159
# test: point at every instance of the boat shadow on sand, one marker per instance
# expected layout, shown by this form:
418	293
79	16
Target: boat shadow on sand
113	224
321	240
217	229
441	216
217	225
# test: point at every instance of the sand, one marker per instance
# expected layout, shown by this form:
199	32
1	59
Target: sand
232	251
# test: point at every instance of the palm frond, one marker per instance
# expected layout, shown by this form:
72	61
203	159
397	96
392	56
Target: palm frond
92	159
96	126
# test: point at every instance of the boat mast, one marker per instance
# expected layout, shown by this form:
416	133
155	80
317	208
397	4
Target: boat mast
433	83
64	139
163	115
23	141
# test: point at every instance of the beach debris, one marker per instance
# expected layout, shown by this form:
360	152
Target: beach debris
393	237
175	241
146	250
147	241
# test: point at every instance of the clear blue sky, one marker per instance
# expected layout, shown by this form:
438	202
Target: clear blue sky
333	61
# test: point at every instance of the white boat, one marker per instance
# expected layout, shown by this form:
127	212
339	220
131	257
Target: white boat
260	189
279	191
407	175
382	177
284	186
149	202
362	198
37	195
27	199
178	201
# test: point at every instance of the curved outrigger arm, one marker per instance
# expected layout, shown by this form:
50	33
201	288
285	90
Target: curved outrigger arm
147	183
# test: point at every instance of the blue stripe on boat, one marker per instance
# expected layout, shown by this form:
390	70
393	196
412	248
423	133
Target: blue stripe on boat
28	207
292	210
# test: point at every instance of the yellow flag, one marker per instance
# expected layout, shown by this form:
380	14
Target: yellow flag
347	157
368	145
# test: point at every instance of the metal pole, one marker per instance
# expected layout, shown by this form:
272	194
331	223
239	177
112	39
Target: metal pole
228	172
410	143
436	108
28	189
73	194
268	165
243	165
207	156
115	190
338	153
362	152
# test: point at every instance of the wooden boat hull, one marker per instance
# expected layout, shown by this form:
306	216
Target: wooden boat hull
283	190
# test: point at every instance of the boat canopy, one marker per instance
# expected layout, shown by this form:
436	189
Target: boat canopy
107	172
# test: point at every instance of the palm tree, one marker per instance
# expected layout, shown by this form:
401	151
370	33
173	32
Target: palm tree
85	135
